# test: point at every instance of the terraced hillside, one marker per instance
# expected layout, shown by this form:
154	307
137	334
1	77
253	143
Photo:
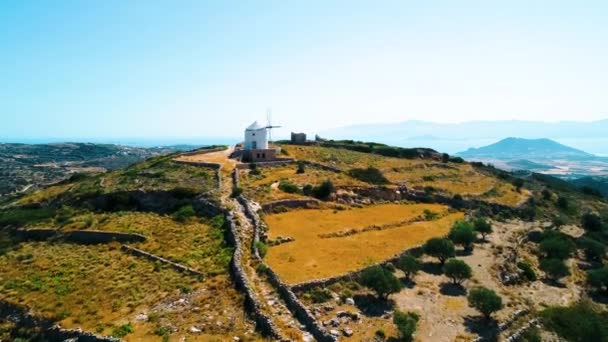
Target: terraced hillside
346	241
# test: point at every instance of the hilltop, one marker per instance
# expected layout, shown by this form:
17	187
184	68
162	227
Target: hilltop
179	246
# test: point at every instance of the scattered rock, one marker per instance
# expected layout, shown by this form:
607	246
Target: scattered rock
349	301
348	332
195	330
142	316
334	332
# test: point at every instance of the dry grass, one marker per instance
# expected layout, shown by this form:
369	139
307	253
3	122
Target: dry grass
197	243
311	257
451	178
260	189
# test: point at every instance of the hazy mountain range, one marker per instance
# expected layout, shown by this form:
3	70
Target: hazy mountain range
451	138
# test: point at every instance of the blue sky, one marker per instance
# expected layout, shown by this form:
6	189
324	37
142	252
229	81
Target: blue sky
107	69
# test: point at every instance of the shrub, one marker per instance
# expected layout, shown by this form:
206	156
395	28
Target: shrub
458	270
430	215
440	248
482	226
556	246
485	301
594	250
406	324
518	183
184	213
301	168
546	194
409	265
445	157
598	278
262	248
558	221
527	271
579	322
380	334
320	295
370	175
307	189
591	221
554	268
462	233
123	330
261	268
289	187
381	281
324	190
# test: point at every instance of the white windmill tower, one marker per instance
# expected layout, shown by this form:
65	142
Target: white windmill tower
269	125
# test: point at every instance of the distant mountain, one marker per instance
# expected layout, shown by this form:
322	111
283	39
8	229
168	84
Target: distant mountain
524	164
455	137
529	149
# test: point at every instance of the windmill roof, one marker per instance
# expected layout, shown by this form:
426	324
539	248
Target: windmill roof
254	126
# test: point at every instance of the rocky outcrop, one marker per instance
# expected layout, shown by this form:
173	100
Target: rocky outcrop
291	203
79	236
152	257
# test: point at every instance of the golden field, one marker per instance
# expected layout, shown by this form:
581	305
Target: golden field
450	178
311	257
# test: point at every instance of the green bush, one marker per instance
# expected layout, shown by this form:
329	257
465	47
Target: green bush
307	189
254	169
430	215
557	246
591	221
562	202
236	192
20	217
594	250
598	279
320	295
288	187
369	175
324	190
527	271
485	301
406	323
381	281
580	322
184	213
440	248
554	268
123	330
301	168
457	270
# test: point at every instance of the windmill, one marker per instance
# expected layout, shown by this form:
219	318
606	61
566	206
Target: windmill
269	125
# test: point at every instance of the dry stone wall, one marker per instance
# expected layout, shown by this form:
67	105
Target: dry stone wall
297	308
79	236
291	203
152	257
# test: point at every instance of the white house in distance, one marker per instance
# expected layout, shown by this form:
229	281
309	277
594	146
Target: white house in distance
255	146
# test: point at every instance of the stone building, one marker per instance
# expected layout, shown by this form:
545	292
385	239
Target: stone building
298	138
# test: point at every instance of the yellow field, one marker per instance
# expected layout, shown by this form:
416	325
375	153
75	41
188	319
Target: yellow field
99	287
259	187
451	178
311	257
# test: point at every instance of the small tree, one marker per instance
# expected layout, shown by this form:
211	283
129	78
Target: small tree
598	278
324	190
463	234
518	183
557	247
554	268
381	281
591	221
458	270
440	248
409	265
485	301
483	227
406	324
